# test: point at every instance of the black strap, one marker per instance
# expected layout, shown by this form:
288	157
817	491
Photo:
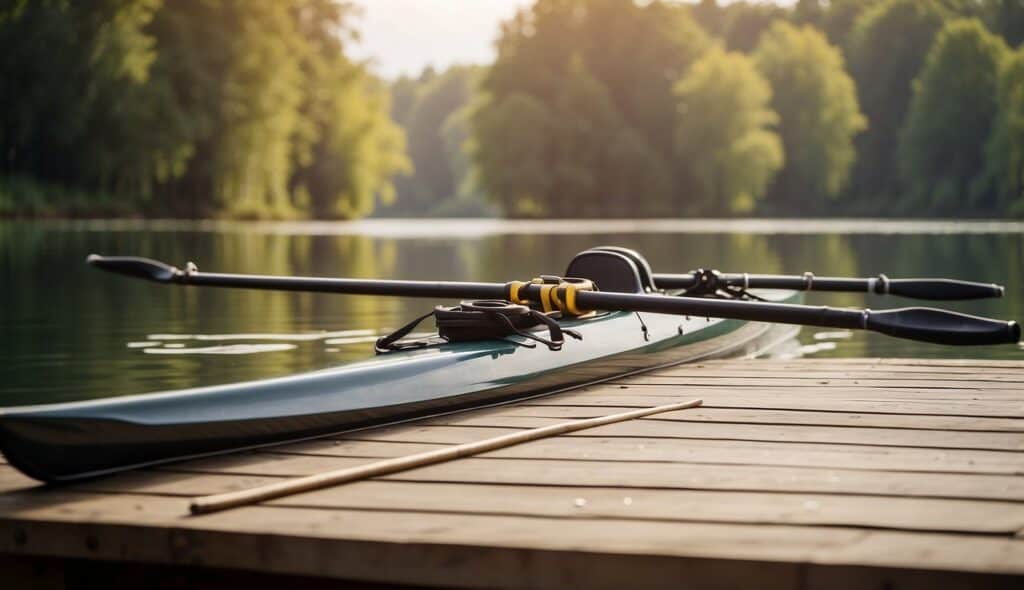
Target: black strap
557	332
738	292
387	343
481	320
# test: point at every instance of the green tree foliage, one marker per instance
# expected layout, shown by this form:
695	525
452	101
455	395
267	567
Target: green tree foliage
79	70
950	118
597	76
809	12
1005	17
887	49
592	108
430	105
259	111
708	14
740	24
819	116
196	107
1002	188
724	133
346	148
403	95
839	19
510	153
584	120
467	199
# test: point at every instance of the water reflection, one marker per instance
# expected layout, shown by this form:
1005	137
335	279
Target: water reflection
71	332
223	349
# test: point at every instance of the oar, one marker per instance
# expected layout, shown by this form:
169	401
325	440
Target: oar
914	323
933	289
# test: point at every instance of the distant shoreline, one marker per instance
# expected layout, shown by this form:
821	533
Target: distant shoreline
443	228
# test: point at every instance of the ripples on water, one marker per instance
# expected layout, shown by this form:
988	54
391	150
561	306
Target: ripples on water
71	332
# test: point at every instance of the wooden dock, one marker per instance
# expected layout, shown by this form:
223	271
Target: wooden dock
849	473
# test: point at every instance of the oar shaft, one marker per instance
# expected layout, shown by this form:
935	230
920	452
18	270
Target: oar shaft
931	289
160	272
438	289
916	323
725	308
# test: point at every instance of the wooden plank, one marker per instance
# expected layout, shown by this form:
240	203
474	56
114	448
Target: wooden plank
721	452
576	501
299	540
638	474
933	363
530	416
625	449
869	378
782	367
404	560
1012	398
974	363
188	480
794	381
891	473
771	453
779	369
997	441
58	504
853	577
671	506
634	474
708	541
12	480
174	483
816	402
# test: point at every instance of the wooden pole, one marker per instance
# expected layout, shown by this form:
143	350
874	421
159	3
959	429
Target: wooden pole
216	502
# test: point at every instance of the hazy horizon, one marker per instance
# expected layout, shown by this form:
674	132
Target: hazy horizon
401	37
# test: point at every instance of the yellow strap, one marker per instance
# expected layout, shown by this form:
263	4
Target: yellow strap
568	303
513	293
561	297
555	301
545	297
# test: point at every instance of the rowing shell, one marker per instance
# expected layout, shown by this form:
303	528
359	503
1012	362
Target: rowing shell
62	442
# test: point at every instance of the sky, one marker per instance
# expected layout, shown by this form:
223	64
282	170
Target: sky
403	36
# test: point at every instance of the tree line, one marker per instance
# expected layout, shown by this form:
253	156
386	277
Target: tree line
190	108
591	108
869	107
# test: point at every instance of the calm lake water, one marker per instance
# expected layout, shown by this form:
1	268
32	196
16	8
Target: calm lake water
72	332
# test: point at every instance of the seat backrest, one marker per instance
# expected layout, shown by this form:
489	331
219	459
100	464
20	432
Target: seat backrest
611	271
642	266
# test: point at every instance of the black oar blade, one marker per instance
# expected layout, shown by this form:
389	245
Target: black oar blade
134	266
943	289
942	327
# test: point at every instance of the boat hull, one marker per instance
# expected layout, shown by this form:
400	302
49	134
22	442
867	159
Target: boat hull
63	442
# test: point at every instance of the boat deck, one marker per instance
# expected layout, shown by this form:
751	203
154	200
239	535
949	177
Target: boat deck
837	473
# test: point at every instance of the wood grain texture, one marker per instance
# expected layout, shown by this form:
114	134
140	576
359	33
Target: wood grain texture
898	437
528	417
814	473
